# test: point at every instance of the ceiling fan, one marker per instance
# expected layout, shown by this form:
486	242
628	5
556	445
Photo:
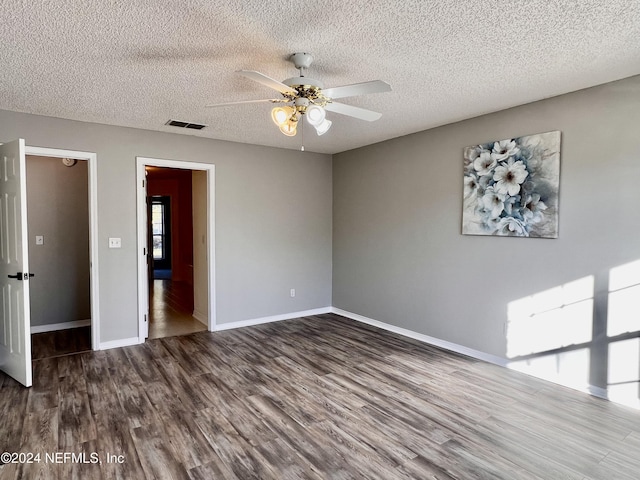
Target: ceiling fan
305	97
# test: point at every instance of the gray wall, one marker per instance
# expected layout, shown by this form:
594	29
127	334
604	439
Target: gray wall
400	258
273	217
58	209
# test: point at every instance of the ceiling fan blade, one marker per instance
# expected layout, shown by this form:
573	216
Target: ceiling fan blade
374	86
265	100
351	111
267	81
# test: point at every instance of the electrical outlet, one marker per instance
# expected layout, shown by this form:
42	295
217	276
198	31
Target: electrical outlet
292	292
115	243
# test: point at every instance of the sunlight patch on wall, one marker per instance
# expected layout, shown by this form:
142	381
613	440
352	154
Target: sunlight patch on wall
551	319
567	368
624	317
624	363
624	299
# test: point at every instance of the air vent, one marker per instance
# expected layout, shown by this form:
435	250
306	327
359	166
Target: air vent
178	123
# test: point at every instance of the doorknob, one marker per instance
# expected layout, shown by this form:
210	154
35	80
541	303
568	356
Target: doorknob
22	276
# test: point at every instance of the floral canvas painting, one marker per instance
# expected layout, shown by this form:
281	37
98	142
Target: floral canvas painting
511	187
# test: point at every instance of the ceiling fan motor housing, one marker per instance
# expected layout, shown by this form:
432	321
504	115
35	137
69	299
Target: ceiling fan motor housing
301	60
309	89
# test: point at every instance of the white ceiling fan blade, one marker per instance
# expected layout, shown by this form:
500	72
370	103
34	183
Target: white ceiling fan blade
267	81
374	86
265	100
351	111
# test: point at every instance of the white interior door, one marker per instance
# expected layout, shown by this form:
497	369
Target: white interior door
15	336
144	266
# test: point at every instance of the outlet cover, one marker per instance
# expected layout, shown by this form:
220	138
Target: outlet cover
115	243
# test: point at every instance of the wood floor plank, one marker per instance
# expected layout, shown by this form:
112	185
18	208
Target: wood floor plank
44	392
60	343
284	460
581	459
40	432
117	442
245	462
215	469
421	467
182	384
70	366
136	407
142	361
189	444
121	368
13	408
85	465
155	454
76	425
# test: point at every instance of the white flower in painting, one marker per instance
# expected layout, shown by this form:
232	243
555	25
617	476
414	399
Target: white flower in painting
532	208
513	227
491	225
504	149
471	153
470	185
484	163
509	176
493	202
509	204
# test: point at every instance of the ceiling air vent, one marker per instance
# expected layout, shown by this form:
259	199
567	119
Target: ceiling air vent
178	123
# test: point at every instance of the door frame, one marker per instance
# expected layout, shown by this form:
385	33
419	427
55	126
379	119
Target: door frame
92	164
141	200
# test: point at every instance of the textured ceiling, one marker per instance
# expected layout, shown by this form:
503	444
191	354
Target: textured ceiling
139	63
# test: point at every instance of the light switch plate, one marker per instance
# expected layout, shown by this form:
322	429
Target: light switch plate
115	243
39	239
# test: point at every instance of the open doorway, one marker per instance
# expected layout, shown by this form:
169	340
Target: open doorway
67	180
59	255
175	261
170	244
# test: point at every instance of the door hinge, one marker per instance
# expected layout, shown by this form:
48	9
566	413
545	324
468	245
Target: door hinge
145	318
142	183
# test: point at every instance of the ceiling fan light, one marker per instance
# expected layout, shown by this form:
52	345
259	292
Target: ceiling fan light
324	127
281	115
289	128
315	115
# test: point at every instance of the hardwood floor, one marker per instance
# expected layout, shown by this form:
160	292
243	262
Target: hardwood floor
171	309
60	342
317	398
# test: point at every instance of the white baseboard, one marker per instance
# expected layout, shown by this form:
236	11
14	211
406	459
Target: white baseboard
123	342
274	318
454	347
52	327
598	392
201	317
